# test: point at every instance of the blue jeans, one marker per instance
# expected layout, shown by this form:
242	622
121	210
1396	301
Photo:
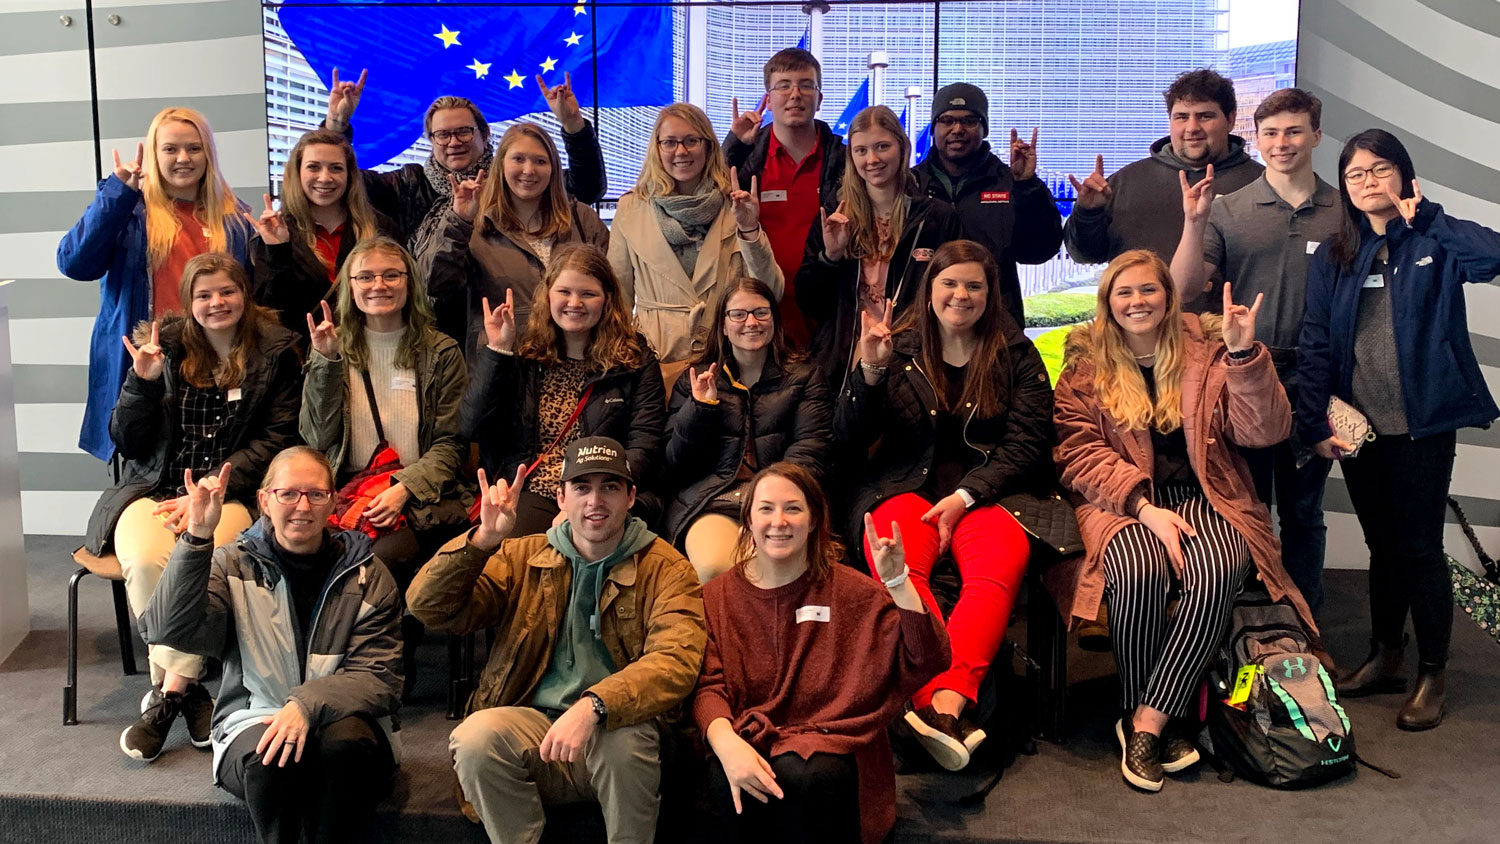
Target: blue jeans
1299	507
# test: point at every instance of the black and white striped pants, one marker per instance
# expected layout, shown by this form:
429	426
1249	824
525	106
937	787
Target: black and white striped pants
1160	659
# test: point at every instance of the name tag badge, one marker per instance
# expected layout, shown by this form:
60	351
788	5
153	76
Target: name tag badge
812	613
773	196
233	394
921	254
1374	281
404	382
994	196
1312	246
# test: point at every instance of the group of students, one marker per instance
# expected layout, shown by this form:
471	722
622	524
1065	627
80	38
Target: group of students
784	352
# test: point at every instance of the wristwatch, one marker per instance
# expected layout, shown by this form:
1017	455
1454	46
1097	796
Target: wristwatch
600	709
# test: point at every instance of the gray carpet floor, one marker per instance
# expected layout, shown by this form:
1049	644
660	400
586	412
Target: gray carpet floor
67	783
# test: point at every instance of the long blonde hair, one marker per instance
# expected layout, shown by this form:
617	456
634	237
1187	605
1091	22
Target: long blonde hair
298	209
556	207
865	242
417	311
215	199
1117	379
654	179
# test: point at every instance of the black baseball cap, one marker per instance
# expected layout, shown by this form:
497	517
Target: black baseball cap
590	455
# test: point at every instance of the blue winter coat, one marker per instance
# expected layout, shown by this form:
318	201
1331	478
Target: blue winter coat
109	244
1441	385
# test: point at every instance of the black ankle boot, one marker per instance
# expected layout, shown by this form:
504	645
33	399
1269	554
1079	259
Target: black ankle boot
1424	709
1380	673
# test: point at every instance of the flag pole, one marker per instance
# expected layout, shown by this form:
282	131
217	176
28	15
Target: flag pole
815	10
879	61
913	93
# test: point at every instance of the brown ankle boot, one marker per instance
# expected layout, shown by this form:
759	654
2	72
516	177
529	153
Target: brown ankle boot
1424	709
1380	673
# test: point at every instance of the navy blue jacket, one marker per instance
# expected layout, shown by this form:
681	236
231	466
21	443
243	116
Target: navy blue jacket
1441	383
109	244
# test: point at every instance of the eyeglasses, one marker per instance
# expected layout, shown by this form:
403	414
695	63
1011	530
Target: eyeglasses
463	133
740	314
947	122
785	87
689	143
1356	175
390	277
290	497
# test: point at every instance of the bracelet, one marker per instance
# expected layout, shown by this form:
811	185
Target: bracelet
872	368
1242	353
745	233
898	579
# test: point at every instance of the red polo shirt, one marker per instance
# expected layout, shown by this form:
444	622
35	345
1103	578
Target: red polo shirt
788	220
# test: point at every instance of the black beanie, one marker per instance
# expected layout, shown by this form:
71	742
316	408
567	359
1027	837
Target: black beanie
965	96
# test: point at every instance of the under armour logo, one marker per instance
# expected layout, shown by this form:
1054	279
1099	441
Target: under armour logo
1287	666
1334	743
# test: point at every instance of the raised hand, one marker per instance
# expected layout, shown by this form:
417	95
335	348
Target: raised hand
1022	156
875	346
500	324
270	225
343	97
705	386
205	501
1197	200
1239	321
1094	191
562	102
1169	528
887	555
497	510
323	335
148	360
946	514
1407	208
745	204
836	233
466	195
747	123
130	173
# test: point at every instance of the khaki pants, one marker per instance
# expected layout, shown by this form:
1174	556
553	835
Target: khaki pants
143	545
495	753
710	545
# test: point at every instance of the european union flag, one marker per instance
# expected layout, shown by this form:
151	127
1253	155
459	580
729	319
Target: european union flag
418	50
860	102
923	143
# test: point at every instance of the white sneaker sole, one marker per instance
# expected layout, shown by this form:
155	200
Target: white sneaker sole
1182	764
133	753
1139	782
947	751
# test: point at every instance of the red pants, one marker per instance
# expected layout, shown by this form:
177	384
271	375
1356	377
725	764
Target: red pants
990	548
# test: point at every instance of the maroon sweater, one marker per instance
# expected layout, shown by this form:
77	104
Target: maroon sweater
818	687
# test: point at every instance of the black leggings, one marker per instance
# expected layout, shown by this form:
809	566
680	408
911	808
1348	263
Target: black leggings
346	768
821	805
1399	489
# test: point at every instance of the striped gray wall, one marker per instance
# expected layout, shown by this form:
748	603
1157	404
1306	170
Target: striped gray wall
1424	70
206	54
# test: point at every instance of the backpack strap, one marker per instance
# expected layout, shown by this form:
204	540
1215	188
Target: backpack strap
374	408
1491	570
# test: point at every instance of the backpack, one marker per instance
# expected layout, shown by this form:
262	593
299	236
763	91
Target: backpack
1275	718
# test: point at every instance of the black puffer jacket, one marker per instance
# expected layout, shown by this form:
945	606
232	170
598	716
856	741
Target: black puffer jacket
828	291
1011	451
144	425
1017	221
787	415
750	159
627	405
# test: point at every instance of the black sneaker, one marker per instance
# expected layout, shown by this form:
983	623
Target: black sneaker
144	739
1178	753
970	735
1140	757
198	714
940	735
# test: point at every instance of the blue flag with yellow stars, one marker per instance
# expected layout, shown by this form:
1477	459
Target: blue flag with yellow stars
857	104
422	49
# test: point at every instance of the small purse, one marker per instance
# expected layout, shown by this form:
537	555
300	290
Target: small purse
1349	425
378	476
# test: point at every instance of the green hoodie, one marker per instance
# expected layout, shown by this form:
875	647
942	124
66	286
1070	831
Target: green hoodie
580	658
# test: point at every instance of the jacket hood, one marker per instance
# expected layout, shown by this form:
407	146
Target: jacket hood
355	548
635	538
1234	156
1079	346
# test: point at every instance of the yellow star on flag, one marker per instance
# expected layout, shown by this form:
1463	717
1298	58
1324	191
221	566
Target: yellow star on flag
514	79
448	36
549	64
579	10
573	39
480	69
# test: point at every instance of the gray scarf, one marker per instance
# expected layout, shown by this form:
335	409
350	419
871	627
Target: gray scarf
685	218
437	174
